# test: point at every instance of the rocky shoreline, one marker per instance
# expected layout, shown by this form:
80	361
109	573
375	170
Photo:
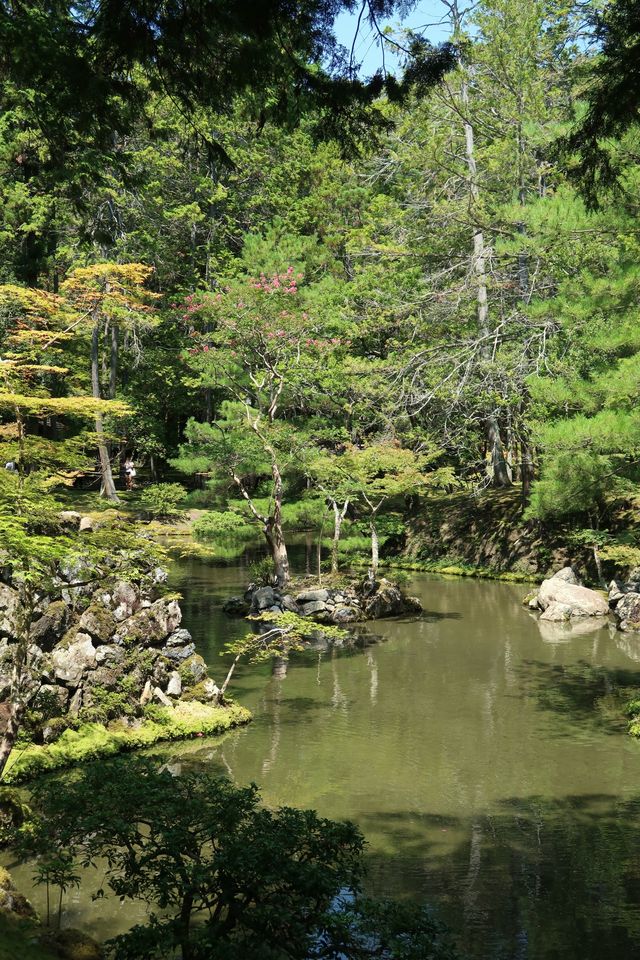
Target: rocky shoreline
563	597
115	654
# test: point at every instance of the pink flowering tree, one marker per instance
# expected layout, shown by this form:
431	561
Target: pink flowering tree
266	361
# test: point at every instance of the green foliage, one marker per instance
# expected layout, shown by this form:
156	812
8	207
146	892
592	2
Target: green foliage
570	483
272	883
163	499
106	705
214	524
261	572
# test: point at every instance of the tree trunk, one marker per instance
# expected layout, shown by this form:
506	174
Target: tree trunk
278	549
338	517
113	362
185	923
108	488
10	735
499	467
598	562
375	548
527	471
500	473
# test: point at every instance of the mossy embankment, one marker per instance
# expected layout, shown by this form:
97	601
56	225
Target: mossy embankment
94	741
486	535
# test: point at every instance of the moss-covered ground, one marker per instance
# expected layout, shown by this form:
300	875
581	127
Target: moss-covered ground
93	741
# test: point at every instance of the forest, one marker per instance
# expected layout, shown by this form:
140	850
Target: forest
252	290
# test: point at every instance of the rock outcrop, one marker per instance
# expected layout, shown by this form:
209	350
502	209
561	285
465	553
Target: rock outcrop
11	900
626	609
369	600
105	655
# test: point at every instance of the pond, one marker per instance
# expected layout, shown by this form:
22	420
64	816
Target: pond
481	752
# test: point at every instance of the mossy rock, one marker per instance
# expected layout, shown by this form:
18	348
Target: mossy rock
193	671
10	900
48	629
98	621
198	692
75	945
22	939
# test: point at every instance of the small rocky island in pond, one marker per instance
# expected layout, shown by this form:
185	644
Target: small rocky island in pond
563	598
115	657
370	599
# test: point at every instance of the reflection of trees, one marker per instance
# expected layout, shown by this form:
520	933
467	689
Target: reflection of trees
585	696
373	666
539	879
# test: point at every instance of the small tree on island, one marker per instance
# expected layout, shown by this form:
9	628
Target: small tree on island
283	633
108	297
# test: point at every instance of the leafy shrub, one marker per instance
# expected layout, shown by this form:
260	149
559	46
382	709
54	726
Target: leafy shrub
215	523
163	499
261	571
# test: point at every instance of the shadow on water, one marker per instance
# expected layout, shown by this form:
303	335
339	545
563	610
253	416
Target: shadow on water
558	880
584	695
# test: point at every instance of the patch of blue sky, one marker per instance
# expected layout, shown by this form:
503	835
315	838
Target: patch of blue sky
429	18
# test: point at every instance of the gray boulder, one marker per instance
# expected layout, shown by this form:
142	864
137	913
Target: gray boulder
150	626
161	697
289	605
196	667
99	622
263	598
70	518
312	596
569	575
617	590
106	677
345	615
581	601
179	638
628	612
76	703
557	612
313	607
388	601
179	653
108	655
174	687
208	690
147	694
125	599
70	663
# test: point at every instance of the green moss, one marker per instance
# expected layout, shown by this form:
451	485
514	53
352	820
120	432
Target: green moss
93	741
449	569
21	938
28	940
195	693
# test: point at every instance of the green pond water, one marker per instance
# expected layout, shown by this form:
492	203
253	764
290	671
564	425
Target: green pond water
480	751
